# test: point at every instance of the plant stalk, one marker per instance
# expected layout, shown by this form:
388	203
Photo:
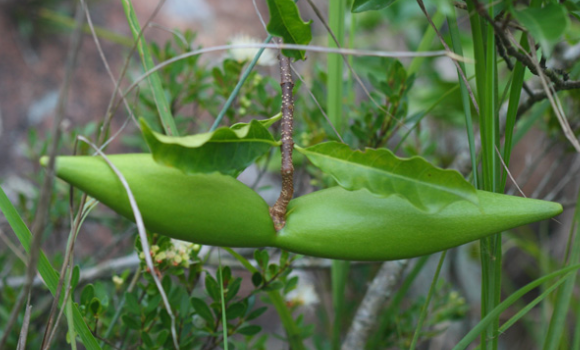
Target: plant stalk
278	211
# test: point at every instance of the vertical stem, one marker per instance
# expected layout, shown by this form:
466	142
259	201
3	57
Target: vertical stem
278	211
334	103
336	15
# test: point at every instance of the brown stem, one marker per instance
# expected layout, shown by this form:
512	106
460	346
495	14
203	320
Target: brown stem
278	211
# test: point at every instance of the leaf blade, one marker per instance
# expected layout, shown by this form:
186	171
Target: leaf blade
428	188
546	24
285	22
359	6
226	150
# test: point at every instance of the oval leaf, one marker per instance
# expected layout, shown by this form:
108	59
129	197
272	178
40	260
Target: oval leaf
285	22
545	24
226	150
384	174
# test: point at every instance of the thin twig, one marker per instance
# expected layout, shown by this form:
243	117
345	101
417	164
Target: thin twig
570	175
117	82
13	247
461	72
278	211
522	56
67	264
59	316
317	104
505	168
25	326
132	262
345	59
377	294
353	52
45	192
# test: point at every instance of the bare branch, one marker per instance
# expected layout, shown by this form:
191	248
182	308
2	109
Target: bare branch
377	294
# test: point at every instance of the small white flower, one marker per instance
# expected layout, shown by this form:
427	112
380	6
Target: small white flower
304	295
118	280
181	246
246	54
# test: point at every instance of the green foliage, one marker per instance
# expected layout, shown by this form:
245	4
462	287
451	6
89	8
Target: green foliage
382	173
285	21
226	150
546	24
409	109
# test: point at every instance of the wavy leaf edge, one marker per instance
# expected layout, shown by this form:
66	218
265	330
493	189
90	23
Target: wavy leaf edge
469	192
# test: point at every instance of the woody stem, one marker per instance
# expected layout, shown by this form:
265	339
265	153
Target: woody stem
278	211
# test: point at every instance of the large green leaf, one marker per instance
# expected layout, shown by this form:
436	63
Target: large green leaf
546	24
226	150
384	174
285	22
45	269
370	5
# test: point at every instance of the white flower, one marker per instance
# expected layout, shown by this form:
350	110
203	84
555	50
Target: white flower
118	280
268	58
181	246
304	295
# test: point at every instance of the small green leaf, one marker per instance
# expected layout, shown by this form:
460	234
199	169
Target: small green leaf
87	294
76	274
131	322
250	330
147	339
202	310
256	313
381	172
95	306
162	337
370	5
233	289
132	304
257	279
236	310
274	286
291	284
285	22
546	24
212	288
226	150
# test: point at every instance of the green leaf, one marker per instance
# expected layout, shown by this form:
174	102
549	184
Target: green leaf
381	172
285	22
236	310
276	285
131	322
202	310
45	269
226	150
233	289
87	294
76	275
370	5
212	288
256	313
250	330
257	279
546	24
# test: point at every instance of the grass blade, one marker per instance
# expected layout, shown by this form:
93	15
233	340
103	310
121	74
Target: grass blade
498	310
163	107
46	271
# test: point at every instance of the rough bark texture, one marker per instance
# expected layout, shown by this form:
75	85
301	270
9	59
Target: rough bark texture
278	211
377	294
